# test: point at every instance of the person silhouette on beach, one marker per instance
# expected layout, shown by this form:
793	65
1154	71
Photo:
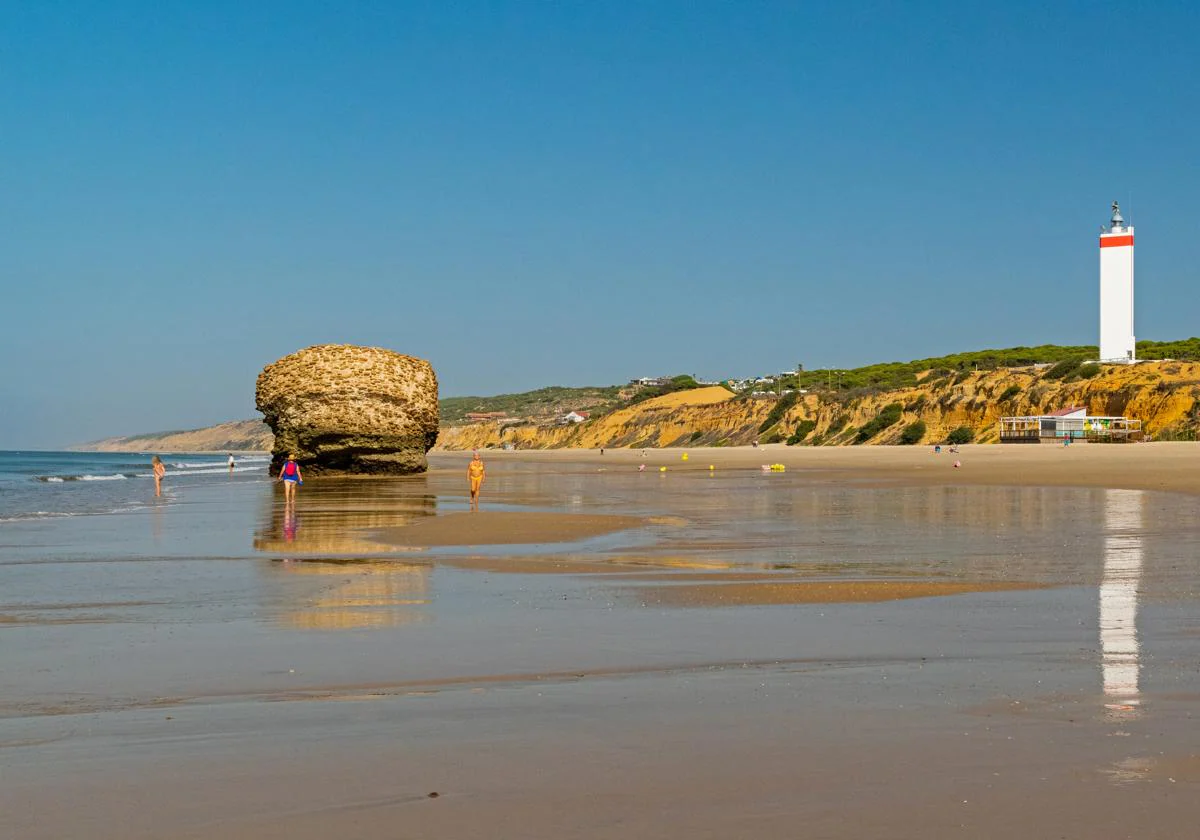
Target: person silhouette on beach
475	472
231	464
159	471
290	475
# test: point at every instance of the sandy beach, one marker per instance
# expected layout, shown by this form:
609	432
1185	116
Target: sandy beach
870	643
1169	466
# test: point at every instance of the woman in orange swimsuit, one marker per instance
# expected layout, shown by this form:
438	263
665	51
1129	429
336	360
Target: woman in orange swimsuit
475	478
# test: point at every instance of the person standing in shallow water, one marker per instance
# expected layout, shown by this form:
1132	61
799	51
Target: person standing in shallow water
159	471
290	475
230	463
475	473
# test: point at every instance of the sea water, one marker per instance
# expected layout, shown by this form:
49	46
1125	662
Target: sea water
35	485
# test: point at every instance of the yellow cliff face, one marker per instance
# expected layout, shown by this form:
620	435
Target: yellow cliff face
1165	396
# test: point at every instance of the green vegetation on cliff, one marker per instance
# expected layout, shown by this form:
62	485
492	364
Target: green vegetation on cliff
543	402
887	375
887	418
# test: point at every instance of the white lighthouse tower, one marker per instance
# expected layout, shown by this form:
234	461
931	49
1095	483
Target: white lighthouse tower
1116	290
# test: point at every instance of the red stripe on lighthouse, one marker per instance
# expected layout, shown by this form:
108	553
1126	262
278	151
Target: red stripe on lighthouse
1115	241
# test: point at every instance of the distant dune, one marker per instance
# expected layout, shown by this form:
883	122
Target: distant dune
238	436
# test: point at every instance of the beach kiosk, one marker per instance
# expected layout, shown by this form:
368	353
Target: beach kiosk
1072	423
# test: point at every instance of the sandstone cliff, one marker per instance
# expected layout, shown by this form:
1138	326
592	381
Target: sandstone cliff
239	436
1164	395
343	409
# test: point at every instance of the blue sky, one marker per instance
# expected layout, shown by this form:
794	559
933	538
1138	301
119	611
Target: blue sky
535	193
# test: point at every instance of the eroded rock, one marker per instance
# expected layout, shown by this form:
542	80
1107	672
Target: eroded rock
346	410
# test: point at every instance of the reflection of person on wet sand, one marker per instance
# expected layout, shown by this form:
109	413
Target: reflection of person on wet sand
475	478
290	475
159	472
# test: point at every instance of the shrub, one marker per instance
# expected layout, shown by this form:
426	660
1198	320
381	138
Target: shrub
1010	392
963	434
802	430
1088	371
778	410
774	437
917	404
837	425
1063	369
888	417
913	433
1179	431
696	435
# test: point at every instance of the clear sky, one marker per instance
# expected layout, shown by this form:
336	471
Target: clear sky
534	193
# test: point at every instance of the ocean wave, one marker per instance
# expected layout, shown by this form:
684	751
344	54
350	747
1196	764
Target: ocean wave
85	477
214	471
210	470
192	465
38	514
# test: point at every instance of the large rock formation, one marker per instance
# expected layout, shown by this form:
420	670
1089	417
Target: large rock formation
344	410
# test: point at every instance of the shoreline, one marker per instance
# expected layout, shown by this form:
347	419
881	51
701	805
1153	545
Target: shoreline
235	452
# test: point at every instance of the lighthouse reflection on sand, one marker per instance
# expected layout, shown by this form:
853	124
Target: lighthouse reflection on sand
1119	652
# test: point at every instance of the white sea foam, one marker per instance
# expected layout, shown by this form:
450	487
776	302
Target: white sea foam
216	470
116	477
38	514
192	465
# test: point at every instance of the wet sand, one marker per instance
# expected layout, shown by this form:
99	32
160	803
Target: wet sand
504	528
733	661
763	592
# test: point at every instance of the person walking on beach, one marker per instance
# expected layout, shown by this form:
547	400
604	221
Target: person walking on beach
159	471
475	473
231	464
290	475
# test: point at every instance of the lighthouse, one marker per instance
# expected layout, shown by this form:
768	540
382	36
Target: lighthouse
1116	290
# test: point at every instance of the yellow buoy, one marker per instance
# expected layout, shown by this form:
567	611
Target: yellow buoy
662	469
683	457
710	466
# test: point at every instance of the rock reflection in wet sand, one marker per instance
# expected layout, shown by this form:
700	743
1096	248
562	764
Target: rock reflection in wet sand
361	594
331	515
